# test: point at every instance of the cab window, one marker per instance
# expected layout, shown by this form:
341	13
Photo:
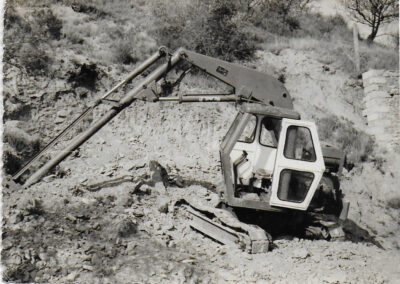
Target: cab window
294	185
299	145
269	133
249	131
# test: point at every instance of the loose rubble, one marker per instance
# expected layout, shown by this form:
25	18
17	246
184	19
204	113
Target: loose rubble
130	232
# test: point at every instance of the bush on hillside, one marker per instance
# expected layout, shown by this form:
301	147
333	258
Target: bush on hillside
209	27
25	38
19	146
123	52
276	16
47	23
33	58
394	202
357	145
42	24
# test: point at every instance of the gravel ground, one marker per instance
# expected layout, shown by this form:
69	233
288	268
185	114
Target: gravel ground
59	231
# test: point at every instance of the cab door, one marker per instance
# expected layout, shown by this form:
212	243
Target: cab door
242	154
299	165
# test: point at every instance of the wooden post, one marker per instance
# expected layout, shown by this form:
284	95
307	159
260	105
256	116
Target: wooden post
356	50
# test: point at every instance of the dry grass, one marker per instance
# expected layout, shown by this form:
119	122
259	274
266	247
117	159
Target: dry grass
339	53
330	38
375	56
357	145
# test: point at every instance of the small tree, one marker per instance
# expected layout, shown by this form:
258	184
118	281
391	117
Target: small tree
374	13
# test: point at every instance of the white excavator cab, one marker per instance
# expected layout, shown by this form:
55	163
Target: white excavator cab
275	162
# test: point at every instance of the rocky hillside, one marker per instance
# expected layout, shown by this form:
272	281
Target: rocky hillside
112	212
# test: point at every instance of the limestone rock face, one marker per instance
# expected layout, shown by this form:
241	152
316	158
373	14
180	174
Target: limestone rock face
382	108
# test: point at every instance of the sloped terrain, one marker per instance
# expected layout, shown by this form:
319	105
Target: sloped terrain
113	211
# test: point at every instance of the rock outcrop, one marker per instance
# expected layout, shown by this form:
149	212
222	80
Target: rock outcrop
382	108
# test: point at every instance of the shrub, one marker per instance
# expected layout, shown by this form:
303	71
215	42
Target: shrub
222	37
33	58
86	76
48	24
123	53
394	202
25	38
208	27
276	16
19	146
19	139
11	17
43	24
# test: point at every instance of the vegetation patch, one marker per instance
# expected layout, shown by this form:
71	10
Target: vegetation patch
18	146
34	59
26	38
88	9
357	145
86	77
394	203
210	27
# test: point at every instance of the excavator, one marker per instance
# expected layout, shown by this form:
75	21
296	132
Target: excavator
272	161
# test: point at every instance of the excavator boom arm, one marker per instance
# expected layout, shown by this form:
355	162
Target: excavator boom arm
248	83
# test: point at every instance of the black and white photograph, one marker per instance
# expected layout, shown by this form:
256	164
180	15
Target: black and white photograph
200	141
